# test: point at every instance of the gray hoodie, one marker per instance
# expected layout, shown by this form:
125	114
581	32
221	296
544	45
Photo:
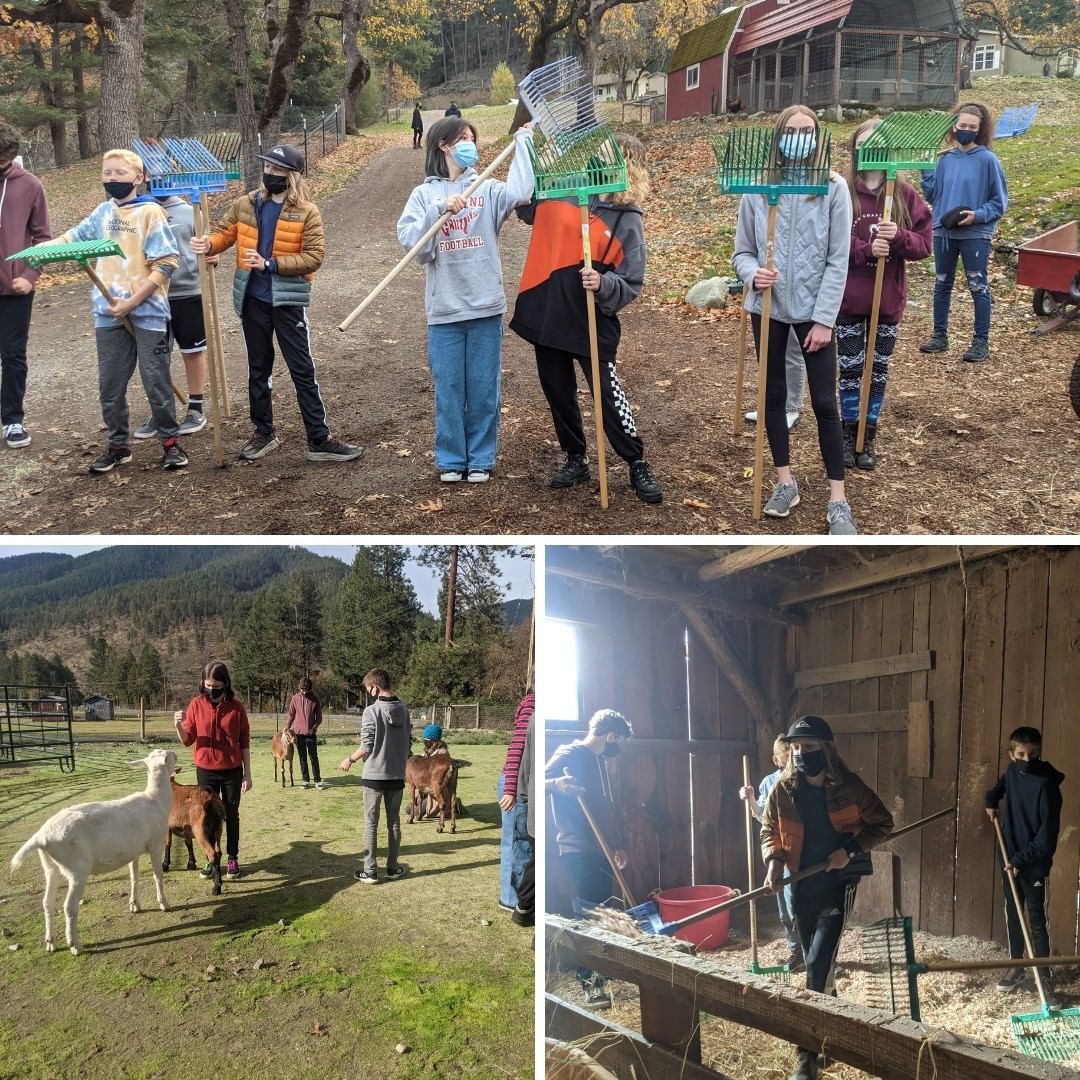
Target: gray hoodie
464	276
386	738
181	214
813	238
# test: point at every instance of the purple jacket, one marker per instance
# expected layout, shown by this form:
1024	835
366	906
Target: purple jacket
910	245
24	220
305	714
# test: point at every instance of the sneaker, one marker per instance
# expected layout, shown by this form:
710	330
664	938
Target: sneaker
645	485
305	785
507	907
597	996
521	917
839	971
784	499
451	476
113	456
936	343
795	962
866	459
395	874
980	350
850	433
146	430
364	876
792	418
1052	1000
258	446
232	868
320	784
807	1065
16	436
174	457
194	422
841	523
478	476
575	470
1011	980
207	871
333	450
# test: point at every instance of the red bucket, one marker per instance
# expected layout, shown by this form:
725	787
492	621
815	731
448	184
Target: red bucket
710	933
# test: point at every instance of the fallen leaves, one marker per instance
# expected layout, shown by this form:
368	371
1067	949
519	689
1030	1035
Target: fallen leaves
697	504
431	506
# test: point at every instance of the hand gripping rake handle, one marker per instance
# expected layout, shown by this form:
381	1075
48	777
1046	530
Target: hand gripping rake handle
412	252
750	862
628	896
1020	913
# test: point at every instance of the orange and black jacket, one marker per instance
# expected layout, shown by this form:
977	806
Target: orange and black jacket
854	810
551	307
299	248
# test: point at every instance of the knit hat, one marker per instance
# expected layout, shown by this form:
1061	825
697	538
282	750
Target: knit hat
432	732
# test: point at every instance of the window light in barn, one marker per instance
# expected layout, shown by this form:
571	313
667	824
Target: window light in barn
693	76
559	653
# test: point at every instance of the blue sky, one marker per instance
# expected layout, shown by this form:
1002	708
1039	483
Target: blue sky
517	573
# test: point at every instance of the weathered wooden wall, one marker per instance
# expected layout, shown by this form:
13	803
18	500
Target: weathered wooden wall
1006	652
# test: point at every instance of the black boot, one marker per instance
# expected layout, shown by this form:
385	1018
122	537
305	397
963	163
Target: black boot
866	459
643	482
806	1065
575	470
850	431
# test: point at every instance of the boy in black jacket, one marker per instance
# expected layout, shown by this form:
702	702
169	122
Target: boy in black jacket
1031	788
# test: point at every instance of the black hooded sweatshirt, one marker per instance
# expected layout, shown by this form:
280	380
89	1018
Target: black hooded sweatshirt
1032	814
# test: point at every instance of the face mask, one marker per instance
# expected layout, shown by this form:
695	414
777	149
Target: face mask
465	154
810	762
215	694
798	147
1026	766
965	138
117	189
612	749
275	184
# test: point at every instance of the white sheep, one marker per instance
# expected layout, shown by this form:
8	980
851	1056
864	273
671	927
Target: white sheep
97	838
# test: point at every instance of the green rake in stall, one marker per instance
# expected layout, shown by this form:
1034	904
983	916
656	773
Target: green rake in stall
901	141
578	165
749	163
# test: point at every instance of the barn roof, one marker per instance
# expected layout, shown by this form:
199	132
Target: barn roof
707	41
766	23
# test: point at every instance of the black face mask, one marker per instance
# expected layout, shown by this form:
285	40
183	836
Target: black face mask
117	189
810	762
215	695
275	184
1026	766
612	749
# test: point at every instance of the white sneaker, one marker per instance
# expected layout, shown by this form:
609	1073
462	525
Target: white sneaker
146	430
320	785
451	477
792	418
479	476
305	785
16	436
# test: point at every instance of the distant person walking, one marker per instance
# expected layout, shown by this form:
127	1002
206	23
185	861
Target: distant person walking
417	126
305	716
453	110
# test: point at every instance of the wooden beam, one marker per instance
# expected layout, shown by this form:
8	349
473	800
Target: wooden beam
868	723
730	664
920	560
746	559
618	1048
734	747
920	740
865	669
676	594
880	1044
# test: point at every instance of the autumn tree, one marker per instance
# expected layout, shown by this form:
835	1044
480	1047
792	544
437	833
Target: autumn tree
285	36
1035	27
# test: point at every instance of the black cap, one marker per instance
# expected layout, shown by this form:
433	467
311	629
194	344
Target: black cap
288	157
808	727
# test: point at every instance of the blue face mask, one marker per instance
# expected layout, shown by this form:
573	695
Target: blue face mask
965	138
798	147
465	154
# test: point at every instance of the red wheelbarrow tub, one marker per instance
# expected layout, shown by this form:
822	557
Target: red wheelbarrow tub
1051	261
710	933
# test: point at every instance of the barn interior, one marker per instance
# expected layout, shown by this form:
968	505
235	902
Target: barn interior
922	659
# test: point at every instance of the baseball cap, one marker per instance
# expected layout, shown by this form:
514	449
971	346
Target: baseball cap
808	727
288	157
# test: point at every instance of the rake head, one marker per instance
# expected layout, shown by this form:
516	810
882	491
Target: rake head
749	162
561	98
226	147
83	252
777	974
1052	1034
892	984
180	167
904	140
589	164
1016	120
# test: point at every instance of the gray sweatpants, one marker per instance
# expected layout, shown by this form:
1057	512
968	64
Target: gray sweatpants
372	802
118	355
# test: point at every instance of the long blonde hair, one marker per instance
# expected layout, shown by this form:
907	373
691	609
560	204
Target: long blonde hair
901	213
297	191
636	157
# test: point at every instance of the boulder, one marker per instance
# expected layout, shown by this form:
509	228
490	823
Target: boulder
710	293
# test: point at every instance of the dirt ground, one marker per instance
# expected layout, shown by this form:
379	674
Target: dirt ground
986	448
965	1003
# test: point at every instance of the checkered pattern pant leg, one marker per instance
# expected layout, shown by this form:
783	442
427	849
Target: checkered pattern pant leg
851	350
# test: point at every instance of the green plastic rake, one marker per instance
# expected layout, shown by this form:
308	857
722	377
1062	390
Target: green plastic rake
892	984
749	162
901	141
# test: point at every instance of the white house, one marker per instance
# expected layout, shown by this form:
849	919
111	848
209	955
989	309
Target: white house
637	85
993	57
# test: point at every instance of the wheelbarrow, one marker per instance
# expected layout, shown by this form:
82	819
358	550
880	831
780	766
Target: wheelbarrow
1050	264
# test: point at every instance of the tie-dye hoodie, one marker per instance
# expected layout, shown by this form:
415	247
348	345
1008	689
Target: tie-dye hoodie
141	228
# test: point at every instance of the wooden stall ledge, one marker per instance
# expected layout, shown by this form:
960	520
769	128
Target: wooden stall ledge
880	1044
865	669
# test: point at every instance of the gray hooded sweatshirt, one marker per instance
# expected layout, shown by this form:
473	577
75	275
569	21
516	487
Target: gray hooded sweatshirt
813	238
386	738
185	282
464	275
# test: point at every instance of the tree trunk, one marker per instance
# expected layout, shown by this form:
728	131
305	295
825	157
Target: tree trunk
357	69
451	597
122	25
58	125
191	98
442	36
82	123
549	26
286	43
245	101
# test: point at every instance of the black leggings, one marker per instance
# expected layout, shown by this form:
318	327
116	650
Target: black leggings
305	745
821	374
820	909
226	783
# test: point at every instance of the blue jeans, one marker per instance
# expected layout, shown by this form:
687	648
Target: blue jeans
466	364
507	895
976	256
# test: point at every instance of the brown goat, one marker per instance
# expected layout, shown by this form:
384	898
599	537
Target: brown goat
282	748
200	815
435	776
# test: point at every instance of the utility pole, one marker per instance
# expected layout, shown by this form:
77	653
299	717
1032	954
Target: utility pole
451	590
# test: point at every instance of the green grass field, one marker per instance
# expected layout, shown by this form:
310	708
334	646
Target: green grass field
348	971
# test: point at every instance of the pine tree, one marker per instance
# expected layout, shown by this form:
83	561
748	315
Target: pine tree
98	667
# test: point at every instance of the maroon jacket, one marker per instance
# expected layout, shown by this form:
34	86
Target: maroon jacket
24	220
305	714
910	245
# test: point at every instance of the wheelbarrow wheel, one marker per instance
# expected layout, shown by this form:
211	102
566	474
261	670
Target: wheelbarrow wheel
1045	303
1074	386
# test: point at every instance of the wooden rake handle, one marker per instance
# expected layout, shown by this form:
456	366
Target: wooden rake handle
736	424
628	896
763	365
750	862
872	327
594	357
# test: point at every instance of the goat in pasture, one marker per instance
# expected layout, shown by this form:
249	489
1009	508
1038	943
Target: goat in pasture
434	776
196	814
282	748
97	838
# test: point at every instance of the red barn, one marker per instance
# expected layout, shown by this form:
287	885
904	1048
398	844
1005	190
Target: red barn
698	73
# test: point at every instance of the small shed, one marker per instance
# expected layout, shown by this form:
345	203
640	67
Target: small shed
698	75
98	707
